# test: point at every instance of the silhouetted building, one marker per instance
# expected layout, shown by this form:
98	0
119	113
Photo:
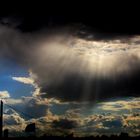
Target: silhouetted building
30	128
1	119
6	133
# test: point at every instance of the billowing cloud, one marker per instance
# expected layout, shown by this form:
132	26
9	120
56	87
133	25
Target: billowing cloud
71	68
13	118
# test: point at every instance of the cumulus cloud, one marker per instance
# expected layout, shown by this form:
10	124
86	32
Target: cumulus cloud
4	94
13	118
36	107
74	119
14	122
106	124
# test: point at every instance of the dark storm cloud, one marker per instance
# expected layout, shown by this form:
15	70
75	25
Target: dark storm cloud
73	88
65	124
61	72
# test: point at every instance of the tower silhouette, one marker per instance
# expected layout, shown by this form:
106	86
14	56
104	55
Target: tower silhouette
1	119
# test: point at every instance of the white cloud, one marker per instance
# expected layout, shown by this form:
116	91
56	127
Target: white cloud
13	101
4	94
25	80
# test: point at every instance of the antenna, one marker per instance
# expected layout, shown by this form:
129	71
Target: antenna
1	119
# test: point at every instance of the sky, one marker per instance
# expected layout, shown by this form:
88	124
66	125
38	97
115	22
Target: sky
69	76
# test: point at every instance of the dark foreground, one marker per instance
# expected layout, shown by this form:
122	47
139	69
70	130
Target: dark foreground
113	137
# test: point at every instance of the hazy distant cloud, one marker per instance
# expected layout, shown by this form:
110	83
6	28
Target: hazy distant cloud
4	94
